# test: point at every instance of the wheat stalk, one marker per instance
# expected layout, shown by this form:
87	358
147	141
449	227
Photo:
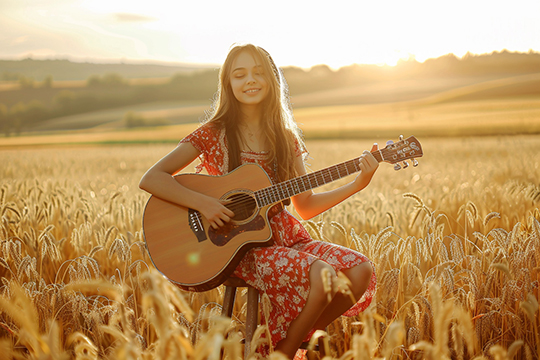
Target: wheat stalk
74	248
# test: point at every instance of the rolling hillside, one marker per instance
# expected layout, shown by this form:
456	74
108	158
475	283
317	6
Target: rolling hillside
419	93
444	96
486	108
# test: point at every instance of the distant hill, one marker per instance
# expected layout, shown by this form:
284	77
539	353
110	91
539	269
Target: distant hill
62	70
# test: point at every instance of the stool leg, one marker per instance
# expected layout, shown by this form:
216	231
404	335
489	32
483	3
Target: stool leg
322	347
228	301
251	318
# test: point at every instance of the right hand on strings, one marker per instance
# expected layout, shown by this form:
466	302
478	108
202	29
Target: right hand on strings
215	212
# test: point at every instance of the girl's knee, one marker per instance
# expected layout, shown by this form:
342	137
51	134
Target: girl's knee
360	277
320	270
365	270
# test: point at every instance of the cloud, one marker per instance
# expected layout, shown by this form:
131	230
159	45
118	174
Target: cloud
126	17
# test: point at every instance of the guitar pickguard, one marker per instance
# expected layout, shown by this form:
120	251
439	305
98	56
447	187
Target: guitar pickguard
224	234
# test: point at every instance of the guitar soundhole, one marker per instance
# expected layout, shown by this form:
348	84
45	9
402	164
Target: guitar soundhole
243	205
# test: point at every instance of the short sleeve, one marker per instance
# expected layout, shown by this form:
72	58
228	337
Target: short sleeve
208	139
199	138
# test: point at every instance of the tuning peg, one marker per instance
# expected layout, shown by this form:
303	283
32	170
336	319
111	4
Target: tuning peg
414	162
397	167
405	164
400	137
389	142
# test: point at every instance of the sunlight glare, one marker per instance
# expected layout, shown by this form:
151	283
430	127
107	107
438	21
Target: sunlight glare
296	33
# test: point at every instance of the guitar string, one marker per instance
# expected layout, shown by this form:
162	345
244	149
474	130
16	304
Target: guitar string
277	192
325	176
331	171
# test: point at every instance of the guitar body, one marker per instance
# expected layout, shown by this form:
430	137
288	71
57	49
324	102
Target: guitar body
181	242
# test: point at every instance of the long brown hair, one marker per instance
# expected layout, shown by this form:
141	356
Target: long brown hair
278	122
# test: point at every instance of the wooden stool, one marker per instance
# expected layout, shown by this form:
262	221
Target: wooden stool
252	319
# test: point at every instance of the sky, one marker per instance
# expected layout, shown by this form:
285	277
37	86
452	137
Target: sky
296	33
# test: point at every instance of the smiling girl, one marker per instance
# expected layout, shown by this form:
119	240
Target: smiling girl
252	122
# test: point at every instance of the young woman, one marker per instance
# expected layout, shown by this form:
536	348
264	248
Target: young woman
252	122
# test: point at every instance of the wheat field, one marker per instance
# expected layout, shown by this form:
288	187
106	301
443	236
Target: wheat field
455	242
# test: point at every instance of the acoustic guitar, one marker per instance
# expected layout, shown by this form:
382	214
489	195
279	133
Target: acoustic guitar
196	257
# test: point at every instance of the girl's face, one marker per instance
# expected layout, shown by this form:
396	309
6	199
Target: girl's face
248	80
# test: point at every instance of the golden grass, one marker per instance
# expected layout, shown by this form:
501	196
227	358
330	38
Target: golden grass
100	136
423	118
455	243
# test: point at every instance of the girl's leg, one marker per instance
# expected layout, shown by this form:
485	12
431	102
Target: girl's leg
315	305
360	277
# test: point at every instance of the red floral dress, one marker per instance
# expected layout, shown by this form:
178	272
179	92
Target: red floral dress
281	270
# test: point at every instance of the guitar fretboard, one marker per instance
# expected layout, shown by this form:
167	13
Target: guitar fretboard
279	192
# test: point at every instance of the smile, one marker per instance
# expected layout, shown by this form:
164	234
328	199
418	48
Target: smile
252	91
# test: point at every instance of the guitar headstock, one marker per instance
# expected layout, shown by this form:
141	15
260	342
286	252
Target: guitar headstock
403	150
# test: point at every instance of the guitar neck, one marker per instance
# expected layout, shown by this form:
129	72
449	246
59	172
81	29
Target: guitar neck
279	192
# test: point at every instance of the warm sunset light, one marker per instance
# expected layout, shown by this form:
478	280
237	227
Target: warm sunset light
297	33
364	172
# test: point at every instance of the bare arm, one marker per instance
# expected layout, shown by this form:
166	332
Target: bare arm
309	204
159	181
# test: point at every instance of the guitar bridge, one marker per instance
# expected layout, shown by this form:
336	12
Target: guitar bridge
196	225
